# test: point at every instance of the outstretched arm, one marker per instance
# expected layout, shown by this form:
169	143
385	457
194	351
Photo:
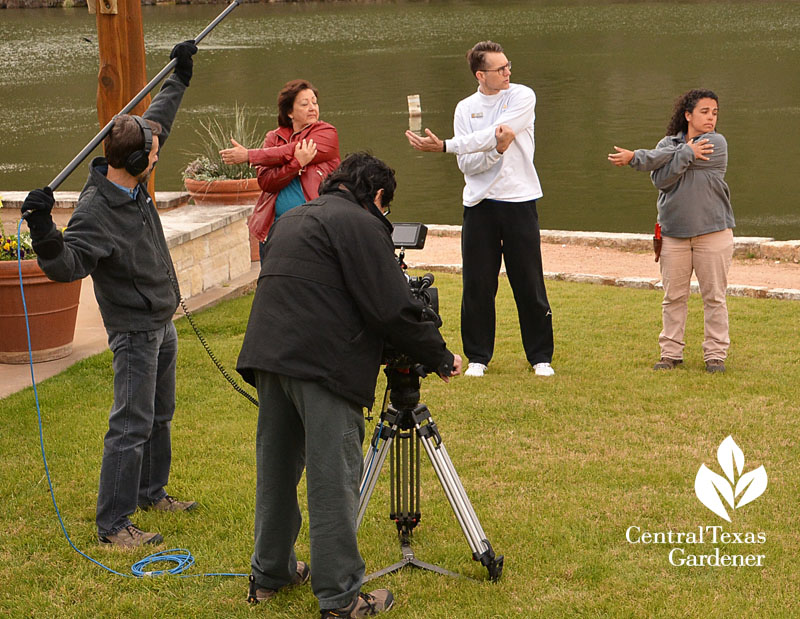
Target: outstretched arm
684	157
475	163
273	154
652	159
518	115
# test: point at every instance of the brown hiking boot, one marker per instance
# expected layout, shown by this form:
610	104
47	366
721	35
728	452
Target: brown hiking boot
131	537
259	594
715	365
171	504
665	363
365	605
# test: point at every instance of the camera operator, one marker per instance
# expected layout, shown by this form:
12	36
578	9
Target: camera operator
329	295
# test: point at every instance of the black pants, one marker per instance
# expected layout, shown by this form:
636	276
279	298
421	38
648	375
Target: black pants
492	231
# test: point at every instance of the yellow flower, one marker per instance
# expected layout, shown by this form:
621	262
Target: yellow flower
7	246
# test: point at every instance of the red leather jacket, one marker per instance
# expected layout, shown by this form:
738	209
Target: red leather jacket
277	167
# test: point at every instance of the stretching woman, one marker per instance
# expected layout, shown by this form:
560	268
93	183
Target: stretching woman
694	211
294	160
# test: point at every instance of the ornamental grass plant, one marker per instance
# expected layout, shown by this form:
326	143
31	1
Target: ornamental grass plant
558	470
214	135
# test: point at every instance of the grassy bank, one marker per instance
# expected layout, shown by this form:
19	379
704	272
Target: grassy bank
557	469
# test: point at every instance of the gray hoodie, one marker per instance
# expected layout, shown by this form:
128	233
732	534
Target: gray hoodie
693	198
120	241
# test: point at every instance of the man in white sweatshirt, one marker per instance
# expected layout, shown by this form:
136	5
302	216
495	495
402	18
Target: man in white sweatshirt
493	142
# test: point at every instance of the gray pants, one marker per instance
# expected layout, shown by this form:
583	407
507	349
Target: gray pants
137	450
304	425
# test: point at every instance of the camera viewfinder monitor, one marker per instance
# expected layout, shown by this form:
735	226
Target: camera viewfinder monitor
409	235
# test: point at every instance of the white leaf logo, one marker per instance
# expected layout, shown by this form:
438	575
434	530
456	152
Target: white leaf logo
729	454
709	486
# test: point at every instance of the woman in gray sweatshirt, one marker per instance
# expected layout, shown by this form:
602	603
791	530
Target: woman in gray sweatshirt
694	211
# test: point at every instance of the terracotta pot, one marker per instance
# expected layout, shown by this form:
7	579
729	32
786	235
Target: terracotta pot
238	191
52	311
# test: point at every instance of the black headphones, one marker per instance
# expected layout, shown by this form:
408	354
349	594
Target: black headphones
138	160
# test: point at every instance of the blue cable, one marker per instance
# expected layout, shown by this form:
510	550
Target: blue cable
182	557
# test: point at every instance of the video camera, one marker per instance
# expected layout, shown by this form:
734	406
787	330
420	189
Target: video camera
412	236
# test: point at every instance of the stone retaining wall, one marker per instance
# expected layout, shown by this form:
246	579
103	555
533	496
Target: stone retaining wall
209	245
744	246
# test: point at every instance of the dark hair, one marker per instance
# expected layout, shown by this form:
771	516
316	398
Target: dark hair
686	103
477	55
125	137
286	98
363	175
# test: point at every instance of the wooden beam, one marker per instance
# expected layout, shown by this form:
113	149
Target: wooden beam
123	71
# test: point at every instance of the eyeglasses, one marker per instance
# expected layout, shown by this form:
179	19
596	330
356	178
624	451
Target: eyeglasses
506	68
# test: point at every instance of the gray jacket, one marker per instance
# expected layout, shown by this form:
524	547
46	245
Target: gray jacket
120	241
693	198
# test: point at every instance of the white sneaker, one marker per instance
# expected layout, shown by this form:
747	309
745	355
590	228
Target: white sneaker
542	369
475	369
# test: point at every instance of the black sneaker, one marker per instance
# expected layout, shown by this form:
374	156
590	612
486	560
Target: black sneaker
715	365
365	605
260	594
665	363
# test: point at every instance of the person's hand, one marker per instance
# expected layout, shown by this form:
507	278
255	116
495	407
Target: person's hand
456	370
305	151
504	135
701	148
622	157
237	154
184	52
36	211
430	143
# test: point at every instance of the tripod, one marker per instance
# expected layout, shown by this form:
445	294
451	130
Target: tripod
403	425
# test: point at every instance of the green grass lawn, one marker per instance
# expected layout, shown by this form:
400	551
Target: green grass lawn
557	470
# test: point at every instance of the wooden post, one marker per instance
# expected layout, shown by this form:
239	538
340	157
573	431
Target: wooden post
122	61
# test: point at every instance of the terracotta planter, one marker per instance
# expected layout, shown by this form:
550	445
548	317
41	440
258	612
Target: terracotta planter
52	311
243	191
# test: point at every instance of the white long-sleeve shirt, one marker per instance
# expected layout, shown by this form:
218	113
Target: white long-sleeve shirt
509	176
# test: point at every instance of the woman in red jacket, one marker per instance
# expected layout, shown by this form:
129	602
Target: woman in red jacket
294	159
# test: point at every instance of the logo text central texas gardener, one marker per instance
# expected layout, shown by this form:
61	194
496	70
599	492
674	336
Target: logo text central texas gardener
738	490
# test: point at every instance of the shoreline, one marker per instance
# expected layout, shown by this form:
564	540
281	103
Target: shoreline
76	4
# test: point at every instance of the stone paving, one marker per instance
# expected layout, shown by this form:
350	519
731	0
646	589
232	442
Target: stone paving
762	268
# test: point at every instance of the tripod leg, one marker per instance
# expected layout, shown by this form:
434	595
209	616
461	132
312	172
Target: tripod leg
374	459
454	490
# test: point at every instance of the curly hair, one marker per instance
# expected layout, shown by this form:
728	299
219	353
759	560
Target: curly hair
363	175
286	98
686	103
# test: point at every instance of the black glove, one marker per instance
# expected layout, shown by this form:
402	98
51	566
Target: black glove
184	52
36	211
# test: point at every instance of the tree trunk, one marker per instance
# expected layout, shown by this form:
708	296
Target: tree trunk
123	71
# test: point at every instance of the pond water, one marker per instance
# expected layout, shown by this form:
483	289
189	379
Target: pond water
604	73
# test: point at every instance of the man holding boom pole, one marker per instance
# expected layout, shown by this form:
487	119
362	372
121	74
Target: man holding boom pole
115	235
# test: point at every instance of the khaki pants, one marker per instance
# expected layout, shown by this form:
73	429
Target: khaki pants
709	256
